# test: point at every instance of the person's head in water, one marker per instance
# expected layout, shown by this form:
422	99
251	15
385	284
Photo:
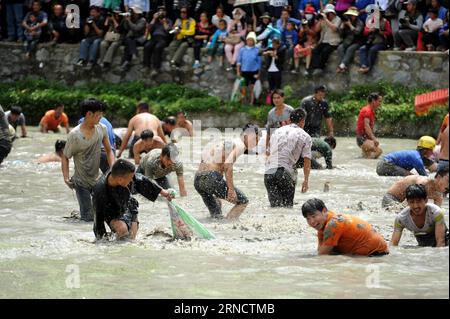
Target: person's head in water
181	117
417	198
375	100
15	113
169	155
250	135
320	92
425	146
170	123
122	173
330	140
298	116
59	147
92	110
315	212
278	97
59	109
441	178
147	137
143	107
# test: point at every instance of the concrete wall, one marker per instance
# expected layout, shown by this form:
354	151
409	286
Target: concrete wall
57	63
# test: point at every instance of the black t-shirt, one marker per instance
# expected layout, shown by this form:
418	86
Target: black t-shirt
315	111
100	24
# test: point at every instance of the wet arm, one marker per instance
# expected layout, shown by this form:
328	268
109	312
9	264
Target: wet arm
137	155
161	133
440	235
329	121
99	217
24	130
126	138
181	185
325	250
108	150
306	171
368	129
396	235
65	169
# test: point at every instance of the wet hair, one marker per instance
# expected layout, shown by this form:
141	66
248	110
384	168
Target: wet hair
297	115
312	205
330	140
416	191
143	106
373	97
171	151
92	105
17	110
122	167
171	120
146	134
59	104
442	172
59	145
181	112
320	88
250	128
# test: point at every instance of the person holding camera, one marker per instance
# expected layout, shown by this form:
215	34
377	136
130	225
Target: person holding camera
351	30
93	30
112	39
184	30
134	24
376	41
330	38
410	23
158	29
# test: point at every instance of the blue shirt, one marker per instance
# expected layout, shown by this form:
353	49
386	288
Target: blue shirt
290	38
362	4
442	12
280	23
109	129
407	160
249	59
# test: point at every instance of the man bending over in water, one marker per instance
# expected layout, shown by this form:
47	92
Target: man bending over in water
424	219
147	143
218	161
56	156
142	121
342	233
114	204
436	188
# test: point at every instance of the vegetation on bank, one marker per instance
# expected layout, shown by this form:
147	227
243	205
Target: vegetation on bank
37	96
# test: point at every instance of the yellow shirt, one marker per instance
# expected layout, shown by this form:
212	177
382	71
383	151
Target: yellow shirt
187	28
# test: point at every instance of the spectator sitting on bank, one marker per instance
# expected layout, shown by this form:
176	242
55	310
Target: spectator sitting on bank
443	34
14	16
282	22
249	66
267	31
351	30
290	40
134	25
264	22
401	163
184	30
442	11
112	39
41	16
236	32
217	44
376	40
220	15
203	33
53	118
15	117
57	25
330	38
184	124
307	42
93	30
145	144
159	32
304	4
56	156
275	57
431	29
32	33
410	23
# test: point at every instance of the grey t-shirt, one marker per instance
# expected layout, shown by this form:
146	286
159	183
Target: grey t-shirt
86	154
20	120
151	165
4	129
273	120
434	216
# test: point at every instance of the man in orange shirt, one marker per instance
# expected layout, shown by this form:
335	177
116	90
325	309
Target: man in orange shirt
53	118
342	234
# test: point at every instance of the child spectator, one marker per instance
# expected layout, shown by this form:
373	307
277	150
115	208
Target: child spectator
290	40
431	30
217	44
32	34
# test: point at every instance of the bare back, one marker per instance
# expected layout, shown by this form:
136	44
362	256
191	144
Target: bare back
145	121
216	156
444	145
399	188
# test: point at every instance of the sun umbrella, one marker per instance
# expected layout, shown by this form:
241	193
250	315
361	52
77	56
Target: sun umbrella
242	2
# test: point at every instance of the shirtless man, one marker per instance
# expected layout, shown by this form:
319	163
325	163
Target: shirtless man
443	155
435	188
56	156
143	120
147	143
184	123
218	161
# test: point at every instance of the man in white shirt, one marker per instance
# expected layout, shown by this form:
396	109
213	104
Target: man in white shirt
287	145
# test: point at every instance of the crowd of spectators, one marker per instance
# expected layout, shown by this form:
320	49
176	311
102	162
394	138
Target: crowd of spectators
293	32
